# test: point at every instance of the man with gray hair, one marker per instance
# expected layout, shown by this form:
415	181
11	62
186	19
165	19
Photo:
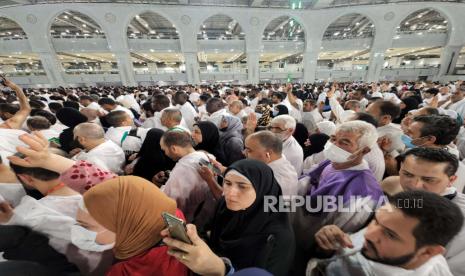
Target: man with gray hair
172	118
96	149
346	178
266	146
284	126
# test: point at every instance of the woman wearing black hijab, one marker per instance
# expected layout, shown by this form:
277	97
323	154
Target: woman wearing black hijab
407	104
242	231
300	134
151	158
70	117
317	143
206	137
280	110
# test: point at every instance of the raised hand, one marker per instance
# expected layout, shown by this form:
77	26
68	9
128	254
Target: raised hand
331	237
37	155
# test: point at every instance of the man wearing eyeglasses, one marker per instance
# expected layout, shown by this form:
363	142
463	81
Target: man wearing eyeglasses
284	126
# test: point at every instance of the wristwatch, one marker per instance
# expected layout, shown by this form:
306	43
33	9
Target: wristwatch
229	267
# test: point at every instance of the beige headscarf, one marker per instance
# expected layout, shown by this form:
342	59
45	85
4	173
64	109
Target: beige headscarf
131	207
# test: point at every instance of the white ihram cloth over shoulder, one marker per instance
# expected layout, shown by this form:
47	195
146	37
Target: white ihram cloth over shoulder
108	156
54	216
350	261
286	175
187	187
188	114
155	122
294	153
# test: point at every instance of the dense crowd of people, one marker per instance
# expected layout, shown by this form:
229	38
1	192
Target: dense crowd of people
87	175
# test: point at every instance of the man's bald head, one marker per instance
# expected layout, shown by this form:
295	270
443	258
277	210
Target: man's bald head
171	117
90	113
89	131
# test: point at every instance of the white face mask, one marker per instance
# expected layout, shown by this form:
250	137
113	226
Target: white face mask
335	154
85	239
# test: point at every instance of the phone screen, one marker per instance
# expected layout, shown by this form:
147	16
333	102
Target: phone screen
204	162
177	227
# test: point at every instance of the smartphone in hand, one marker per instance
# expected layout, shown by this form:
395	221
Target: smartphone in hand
204	162
176	227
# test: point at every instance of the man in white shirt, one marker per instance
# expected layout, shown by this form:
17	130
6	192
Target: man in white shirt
110	105
201	105
216	111
311	115
53	215
423	229
444	95
186	108
385	112
360	95
41	124
342	114
284	127
172	117
88	102
458	101
265	146
432	170
97	150
236	108
120	132
435	131
184	184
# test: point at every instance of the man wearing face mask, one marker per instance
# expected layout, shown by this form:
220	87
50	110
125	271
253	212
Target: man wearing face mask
435	131
400	240
344	174
284	126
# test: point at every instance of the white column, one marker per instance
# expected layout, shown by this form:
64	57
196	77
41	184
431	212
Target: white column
53	68
118	45
125	66
253	70
449	57
50	61
310	64
375	64
192	67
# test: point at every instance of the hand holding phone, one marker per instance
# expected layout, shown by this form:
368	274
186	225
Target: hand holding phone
176	227
204	162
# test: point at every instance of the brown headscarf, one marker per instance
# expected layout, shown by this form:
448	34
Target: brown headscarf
131	207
